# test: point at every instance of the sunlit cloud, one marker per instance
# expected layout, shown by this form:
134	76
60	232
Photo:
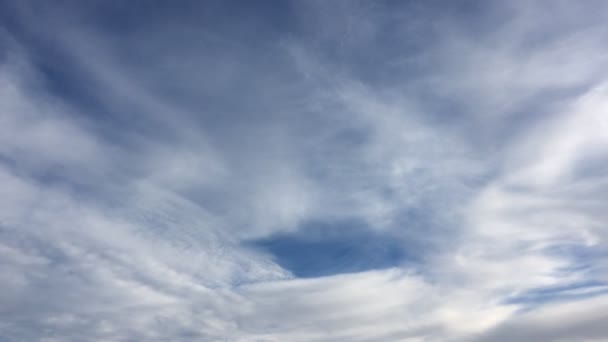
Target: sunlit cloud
310	171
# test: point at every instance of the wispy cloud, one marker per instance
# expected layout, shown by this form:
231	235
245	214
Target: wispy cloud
317	171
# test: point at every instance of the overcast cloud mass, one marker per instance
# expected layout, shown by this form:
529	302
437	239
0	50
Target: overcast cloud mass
303	171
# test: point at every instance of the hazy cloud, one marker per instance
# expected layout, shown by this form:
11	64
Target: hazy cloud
343	171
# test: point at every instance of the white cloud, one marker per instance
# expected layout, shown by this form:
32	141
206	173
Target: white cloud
134	231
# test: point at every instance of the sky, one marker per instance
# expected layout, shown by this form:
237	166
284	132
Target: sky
278	171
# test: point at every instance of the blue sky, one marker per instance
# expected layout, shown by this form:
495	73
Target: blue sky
303	171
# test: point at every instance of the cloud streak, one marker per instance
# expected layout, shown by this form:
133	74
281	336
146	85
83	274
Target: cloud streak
413	172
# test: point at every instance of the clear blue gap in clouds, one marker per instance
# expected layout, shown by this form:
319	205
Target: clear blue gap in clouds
327	248
581	290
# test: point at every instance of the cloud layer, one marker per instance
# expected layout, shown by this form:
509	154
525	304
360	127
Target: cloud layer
310	171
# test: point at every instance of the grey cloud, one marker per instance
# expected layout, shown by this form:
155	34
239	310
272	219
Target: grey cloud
478	144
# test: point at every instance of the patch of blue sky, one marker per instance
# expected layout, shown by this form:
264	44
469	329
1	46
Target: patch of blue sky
324	249
574	291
